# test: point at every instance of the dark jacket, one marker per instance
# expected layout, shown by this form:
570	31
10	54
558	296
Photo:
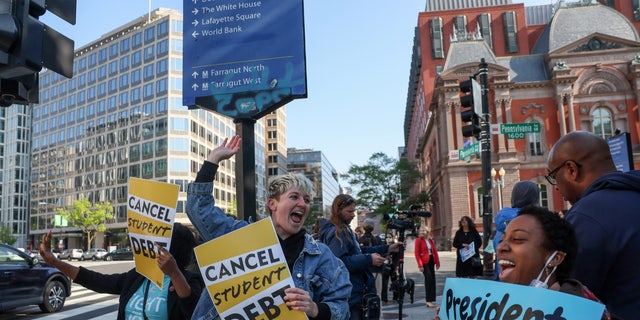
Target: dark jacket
466	268
357	259
126	284
607	224
369	240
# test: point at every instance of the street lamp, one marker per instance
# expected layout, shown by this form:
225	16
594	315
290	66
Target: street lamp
498	181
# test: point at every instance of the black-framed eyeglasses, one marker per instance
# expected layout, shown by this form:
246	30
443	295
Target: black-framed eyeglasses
551	176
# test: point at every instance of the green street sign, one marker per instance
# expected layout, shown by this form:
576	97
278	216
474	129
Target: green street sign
518	130
468	151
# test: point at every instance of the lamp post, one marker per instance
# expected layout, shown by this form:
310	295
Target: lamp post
498	181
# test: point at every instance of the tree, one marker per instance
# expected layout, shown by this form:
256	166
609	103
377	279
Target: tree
88	218
382	182
6	236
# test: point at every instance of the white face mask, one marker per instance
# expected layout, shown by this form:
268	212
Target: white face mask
539	284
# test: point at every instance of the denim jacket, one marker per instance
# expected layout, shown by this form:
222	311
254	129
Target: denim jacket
316	270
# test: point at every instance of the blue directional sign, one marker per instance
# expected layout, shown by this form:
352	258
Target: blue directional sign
243	59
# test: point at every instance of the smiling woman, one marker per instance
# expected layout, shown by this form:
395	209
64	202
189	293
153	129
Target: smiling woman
538	248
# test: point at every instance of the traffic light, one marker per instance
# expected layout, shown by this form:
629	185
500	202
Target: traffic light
27	45
472	100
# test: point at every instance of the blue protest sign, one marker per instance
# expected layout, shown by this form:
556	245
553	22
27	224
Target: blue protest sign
482	299
243	59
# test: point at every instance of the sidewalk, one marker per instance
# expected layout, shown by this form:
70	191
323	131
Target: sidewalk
417	309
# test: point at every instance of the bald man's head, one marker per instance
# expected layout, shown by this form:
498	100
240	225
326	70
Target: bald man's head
576	160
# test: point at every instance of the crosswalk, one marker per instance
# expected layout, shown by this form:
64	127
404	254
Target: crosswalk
83	304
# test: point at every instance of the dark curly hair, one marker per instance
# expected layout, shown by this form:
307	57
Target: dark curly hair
470	223
558	235
182	244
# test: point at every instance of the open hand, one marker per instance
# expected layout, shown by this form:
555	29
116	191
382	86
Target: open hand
225	150
45	249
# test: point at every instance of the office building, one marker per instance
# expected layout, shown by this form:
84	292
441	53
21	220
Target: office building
315	166
15	168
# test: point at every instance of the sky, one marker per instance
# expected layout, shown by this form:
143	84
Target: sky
358	60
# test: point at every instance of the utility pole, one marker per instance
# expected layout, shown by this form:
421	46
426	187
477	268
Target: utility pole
475	100
485	157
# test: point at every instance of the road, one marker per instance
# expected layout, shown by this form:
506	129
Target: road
87	305
83	304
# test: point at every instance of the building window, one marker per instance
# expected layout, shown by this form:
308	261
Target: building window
136	58
161	168
134	152
437	46
149	53
163	29
535	143
460	27
479	203
125	45
484	23
137	40
636	9
544	196
602	122
150	34
134	171
147	170
510	31
147	150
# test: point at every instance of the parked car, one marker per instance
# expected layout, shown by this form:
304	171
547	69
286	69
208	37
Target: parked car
93	254
27	281
119	254
70	254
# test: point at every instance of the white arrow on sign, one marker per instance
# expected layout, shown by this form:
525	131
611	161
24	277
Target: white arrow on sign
195	75
195	23
194	86
195	34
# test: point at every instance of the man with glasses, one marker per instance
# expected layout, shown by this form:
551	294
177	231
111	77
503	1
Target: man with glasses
605	216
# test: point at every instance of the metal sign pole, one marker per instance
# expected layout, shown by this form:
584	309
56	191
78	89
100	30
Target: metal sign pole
485	156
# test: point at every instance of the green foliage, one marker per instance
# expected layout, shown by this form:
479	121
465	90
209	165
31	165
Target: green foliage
87	217
6	236
381	181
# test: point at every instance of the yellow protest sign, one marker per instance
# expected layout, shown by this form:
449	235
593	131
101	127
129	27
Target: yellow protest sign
246	273
151	211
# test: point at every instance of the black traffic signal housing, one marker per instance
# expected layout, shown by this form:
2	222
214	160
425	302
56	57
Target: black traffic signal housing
472	100
27	45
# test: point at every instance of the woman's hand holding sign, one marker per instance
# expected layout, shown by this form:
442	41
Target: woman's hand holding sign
169	266
298	299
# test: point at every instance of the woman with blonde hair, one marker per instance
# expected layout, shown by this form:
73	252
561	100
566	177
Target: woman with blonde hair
426	254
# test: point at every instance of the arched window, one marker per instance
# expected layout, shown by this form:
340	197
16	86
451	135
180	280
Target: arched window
535	142
602	122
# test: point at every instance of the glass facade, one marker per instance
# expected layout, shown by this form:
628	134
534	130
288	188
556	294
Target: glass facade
315	166
15	149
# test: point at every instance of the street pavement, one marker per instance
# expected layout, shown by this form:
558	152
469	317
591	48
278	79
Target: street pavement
418	309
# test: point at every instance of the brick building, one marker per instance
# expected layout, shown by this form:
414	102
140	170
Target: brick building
565	67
